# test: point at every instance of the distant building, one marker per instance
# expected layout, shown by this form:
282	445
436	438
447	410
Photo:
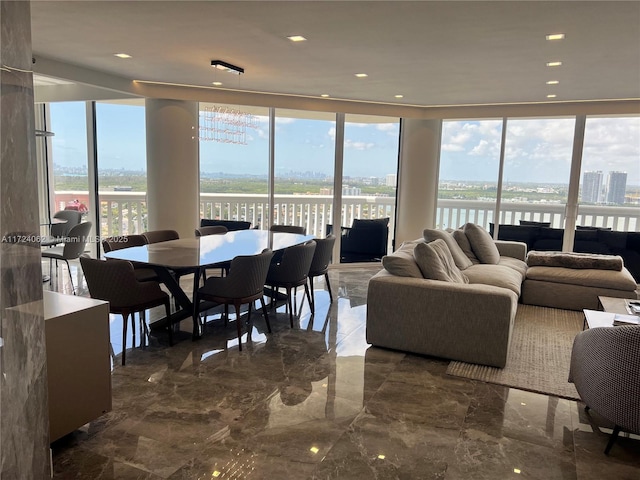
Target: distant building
326	191
391	180
616	187
591	186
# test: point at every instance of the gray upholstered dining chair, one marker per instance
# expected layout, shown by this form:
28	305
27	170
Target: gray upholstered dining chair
59	231
157	236
288	229
291	272
211	230
115	282
244	284
604	368
74	245
142	271
320	266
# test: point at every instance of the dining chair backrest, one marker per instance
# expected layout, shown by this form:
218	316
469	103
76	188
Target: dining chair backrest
294	264
113	281
232	225
322	255
247	274
156	236
76	241
124	241
289	229
72	218
211	230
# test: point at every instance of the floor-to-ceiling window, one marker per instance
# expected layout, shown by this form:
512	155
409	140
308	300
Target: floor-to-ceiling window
69	155
469	167
122	167
304	169
234	163
537	164
369	172
610	174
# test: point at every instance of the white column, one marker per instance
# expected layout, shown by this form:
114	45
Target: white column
173	165
417	178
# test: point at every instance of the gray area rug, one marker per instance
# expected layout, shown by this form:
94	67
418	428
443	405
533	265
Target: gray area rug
539	355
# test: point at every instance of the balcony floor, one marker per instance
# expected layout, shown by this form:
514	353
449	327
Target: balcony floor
317	402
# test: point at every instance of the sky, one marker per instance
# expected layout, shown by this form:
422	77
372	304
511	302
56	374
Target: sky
537	150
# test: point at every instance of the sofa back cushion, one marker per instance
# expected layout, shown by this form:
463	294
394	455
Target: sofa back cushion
463	242
401	262
459	257
436	263
482	244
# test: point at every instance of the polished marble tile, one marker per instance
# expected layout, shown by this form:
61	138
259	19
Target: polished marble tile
317	402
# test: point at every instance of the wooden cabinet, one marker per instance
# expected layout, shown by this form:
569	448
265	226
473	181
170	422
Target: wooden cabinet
78	361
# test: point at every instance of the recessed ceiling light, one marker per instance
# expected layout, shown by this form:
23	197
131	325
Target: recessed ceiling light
551	96
324	95
399	96
217	84
297	38
555	36
554	64
553	82
361	75
121	55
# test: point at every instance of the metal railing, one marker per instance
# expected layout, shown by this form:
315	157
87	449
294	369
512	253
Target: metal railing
124	213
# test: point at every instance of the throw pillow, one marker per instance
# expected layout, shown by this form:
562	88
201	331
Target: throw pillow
482	244
436	263
463	242
401	262
461	260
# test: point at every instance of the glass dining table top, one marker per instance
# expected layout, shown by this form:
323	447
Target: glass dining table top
208	250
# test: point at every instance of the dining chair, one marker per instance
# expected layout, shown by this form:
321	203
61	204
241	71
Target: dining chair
213	230
143	272
58	231
73	247
320	265
114	281
244	284
157	236
288	229
290	273
231	225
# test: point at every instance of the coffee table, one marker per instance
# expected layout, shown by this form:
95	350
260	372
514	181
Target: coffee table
610	307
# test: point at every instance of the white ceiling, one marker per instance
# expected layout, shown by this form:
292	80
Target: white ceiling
433	53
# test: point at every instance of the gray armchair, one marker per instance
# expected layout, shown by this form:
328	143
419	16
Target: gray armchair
604	368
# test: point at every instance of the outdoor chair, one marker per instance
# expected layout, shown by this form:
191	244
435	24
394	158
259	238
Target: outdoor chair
115	282
320	266
59	231
604	368
143	272
73	247
244	284
364	241
290	273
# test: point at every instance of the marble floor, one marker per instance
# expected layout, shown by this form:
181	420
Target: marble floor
317	402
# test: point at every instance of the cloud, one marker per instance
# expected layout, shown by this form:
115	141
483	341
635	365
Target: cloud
387	127
358	145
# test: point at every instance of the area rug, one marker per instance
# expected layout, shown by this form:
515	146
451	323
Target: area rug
539	355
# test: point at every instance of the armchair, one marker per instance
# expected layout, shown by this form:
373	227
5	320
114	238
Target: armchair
364	241
604	368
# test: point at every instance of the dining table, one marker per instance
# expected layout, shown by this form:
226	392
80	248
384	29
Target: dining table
200	253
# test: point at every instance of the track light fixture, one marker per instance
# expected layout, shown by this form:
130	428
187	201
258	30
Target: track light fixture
227	67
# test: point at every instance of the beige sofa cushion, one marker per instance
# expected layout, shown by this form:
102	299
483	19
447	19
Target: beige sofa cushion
463	242
401	262
515	263
589	278
459	257
436	263
482	244
495	275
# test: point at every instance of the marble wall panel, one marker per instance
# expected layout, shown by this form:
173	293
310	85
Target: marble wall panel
24	422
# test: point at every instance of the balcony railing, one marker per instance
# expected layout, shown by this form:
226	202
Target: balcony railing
125	213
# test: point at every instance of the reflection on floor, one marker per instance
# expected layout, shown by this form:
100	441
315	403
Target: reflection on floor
317	402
